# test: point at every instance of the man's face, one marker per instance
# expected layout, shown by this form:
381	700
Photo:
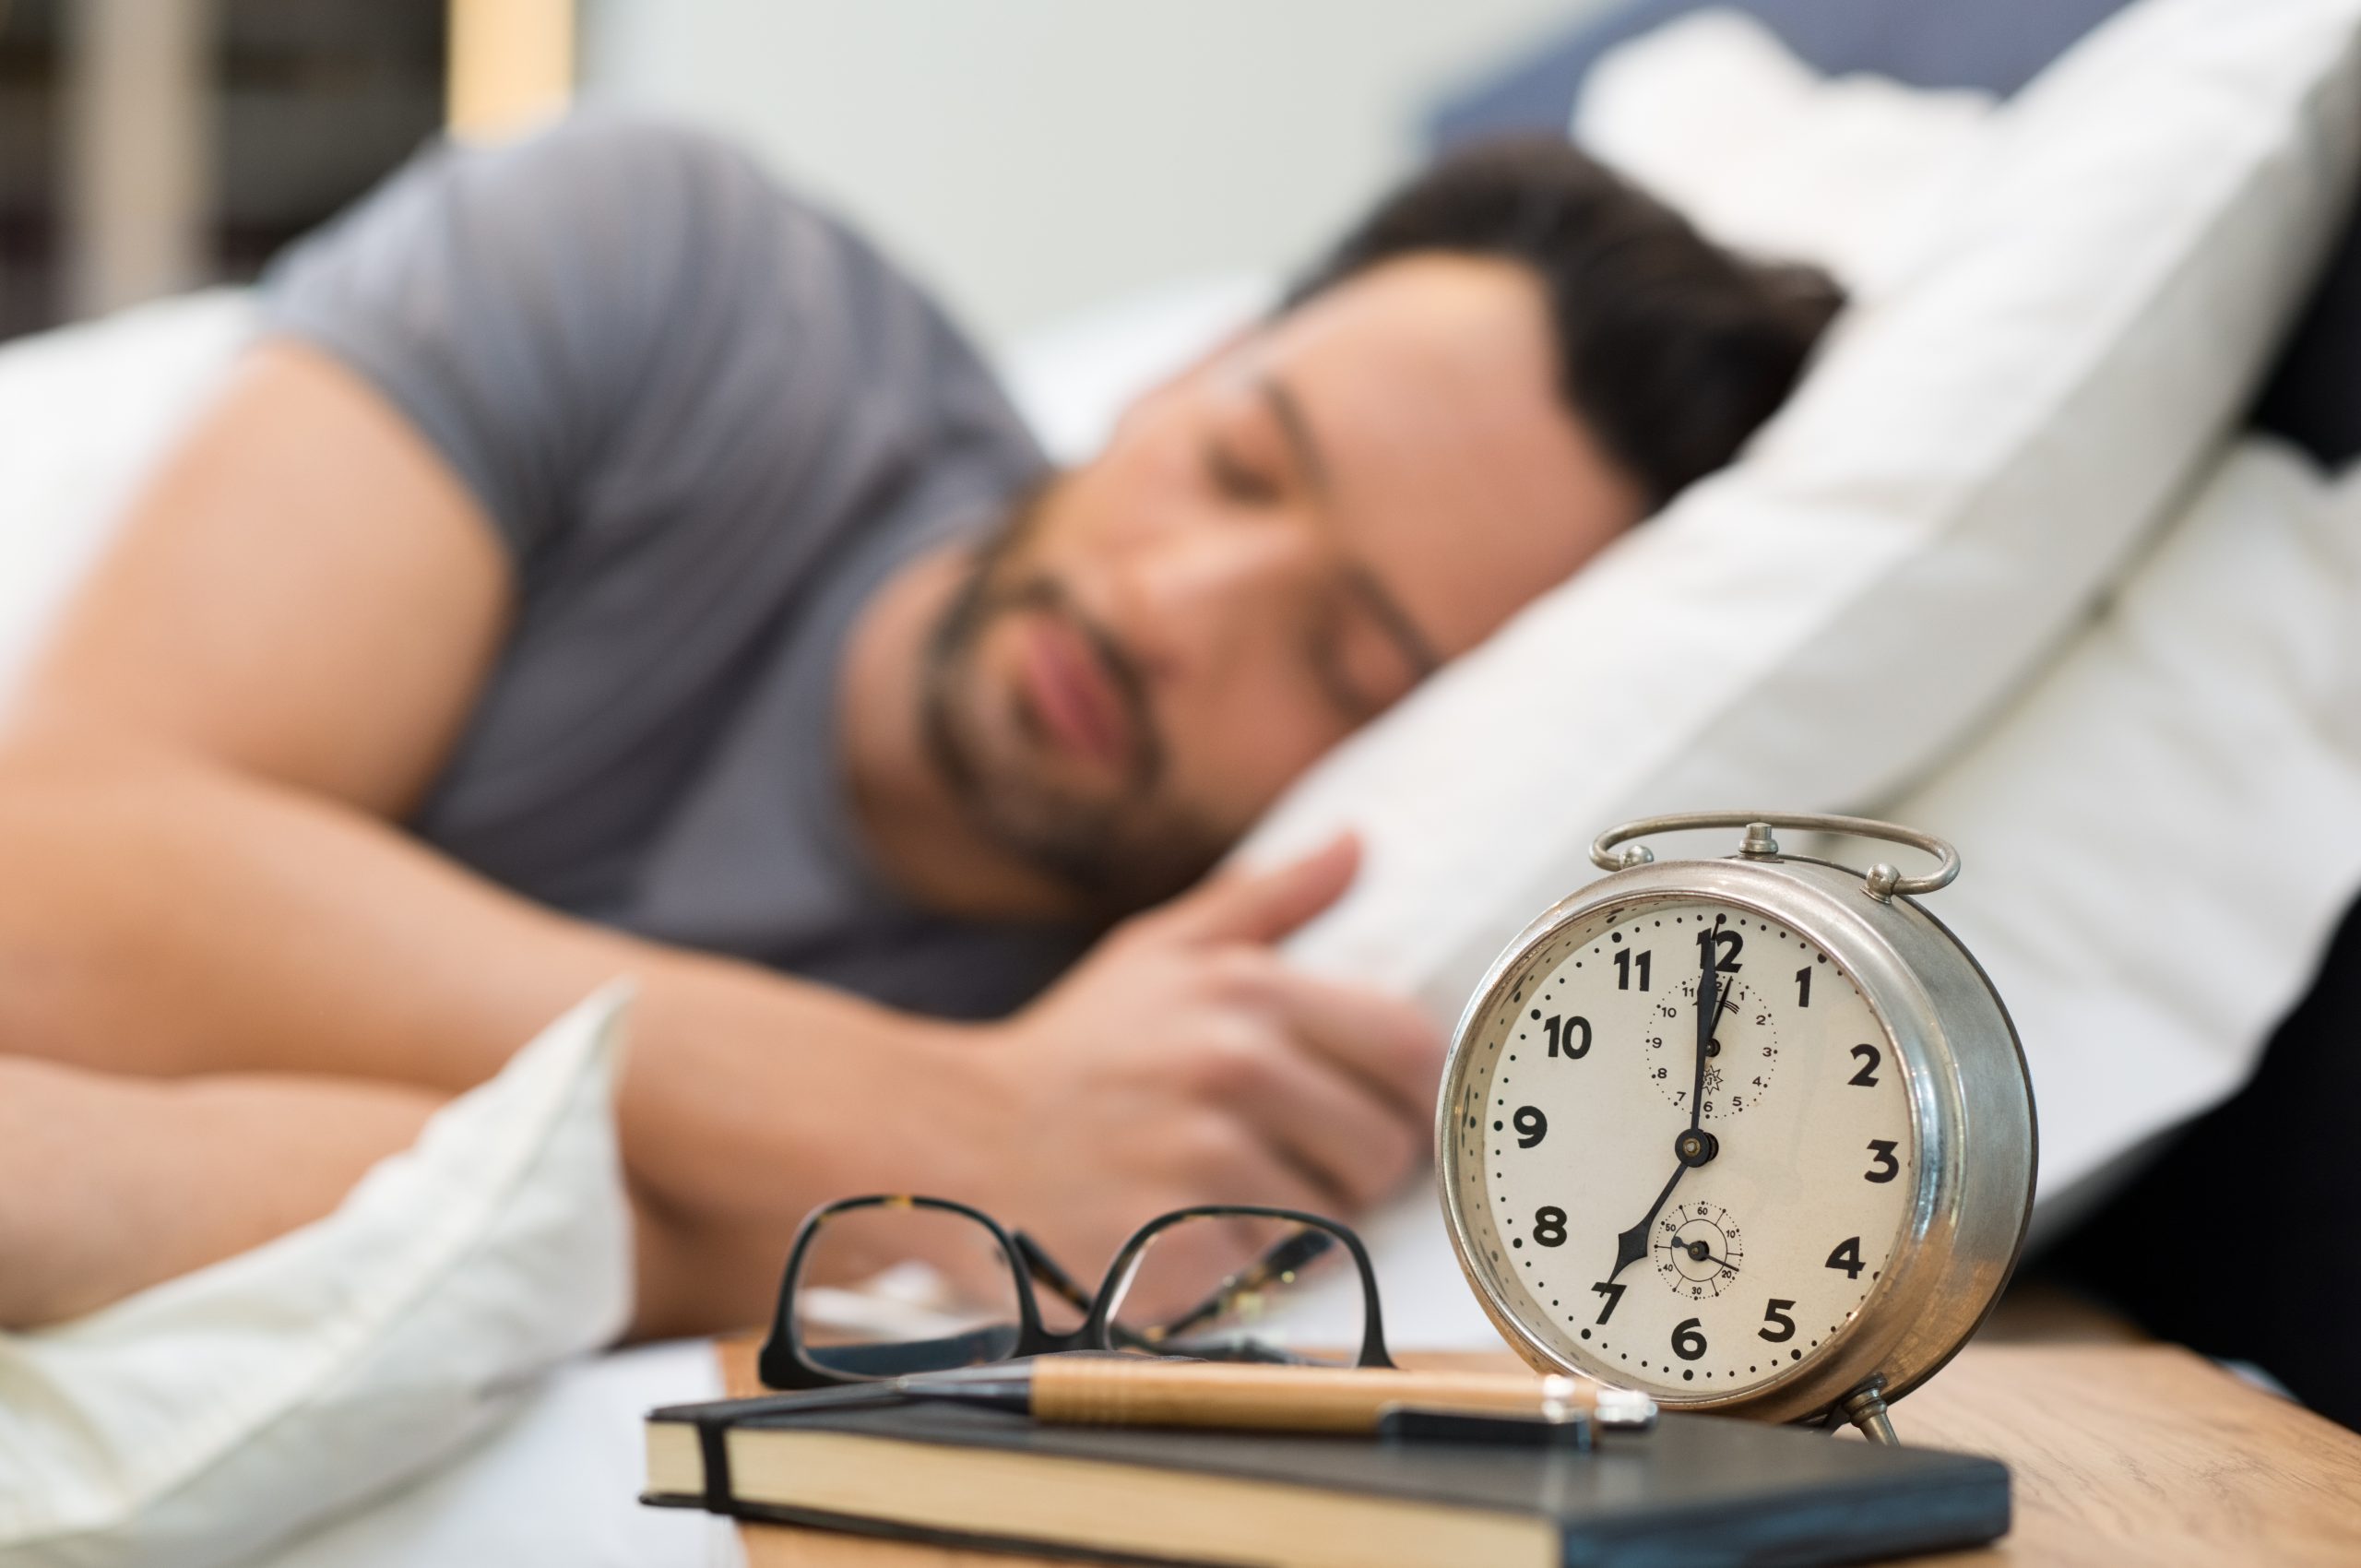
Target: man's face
1272	550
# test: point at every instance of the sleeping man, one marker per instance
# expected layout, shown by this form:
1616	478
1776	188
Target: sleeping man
605	563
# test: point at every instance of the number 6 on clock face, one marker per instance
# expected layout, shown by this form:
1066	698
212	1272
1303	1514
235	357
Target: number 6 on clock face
1728	1195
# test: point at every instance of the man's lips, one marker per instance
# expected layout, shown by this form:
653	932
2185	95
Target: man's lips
1071	695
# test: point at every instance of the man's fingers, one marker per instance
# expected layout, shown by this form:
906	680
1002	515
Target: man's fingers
1388	1042
1257	1173
1333	1125
1263	905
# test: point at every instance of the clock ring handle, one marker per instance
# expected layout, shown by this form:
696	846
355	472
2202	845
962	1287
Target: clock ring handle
1883	881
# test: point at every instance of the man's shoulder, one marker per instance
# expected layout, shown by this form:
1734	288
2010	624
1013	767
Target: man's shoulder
611	131
650	169
669	206
600	191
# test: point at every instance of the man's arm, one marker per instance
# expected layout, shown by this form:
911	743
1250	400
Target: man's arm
273	657
200	878
110	1185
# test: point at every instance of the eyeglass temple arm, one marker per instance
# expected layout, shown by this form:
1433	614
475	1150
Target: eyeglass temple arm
1294	1253
1062	1284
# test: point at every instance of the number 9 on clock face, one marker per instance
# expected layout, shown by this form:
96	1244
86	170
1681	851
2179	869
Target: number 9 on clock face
1690	1143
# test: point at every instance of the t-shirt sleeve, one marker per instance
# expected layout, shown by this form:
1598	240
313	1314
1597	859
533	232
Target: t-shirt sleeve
519	305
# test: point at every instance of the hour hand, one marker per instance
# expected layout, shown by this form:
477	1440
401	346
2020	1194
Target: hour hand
1633	1246
1691	1148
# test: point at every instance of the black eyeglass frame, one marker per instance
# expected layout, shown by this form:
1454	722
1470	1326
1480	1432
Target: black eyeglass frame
784	1365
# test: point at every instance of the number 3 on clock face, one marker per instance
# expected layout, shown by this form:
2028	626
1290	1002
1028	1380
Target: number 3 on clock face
1693	1145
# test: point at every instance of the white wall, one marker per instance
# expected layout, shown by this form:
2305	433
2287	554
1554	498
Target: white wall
1028	157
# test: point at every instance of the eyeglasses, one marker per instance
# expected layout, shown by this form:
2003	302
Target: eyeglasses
889	1286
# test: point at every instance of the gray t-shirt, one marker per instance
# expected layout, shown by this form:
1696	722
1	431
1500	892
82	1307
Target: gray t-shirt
707	422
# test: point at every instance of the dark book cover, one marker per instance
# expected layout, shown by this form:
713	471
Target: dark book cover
1696	1490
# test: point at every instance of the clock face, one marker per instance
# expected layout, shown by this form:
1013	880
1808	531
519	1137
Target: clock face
1691	1211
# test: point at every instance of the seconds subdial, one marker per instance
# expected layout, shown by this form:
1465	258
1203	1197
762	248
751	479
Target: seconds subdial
1739	1058
1700	1251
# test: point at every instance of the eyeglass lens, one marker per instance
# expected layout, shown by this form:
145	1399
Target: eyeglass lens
1230	1286
894	1289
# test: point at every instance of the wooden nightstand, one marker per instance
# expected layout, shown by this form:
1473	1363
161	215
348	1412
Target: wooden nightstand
2124	1452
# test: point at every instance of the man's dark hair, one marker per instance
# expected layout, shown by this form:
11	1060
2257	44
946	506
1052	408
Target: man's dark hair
1670	349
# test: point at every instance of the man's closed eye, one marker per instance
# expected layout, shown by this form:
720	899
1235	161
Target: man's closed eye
1240	481
1357	669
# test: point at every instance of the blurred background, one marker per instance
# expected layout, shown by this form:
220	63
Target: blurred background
147	145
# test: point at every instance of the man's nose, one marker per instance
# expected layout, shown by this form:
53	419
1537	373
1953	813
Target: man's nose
1195	596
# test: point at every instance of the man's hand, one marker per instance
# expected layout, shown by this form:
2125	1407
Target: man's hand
1183	1062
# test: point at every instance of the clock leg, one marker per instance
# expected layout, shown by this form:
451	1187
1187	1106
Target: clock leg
1865	1408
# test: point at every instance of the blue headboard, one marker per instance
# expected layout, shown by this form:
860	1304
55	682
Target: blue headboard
1998	45
2313	397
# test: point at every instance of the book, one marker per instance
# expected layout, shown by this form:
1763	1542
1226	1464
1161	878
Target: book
1696	1490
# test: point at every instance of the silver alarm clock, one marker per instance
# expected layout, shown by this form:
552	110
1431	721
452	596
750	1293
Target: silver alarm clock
1753	1135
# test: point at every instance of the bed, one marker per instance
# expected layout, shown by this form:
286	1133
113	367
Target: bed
2264	510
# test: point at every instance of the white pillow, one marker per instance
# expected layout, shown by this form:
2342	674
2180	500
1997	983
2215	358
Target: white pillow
2220	692
214	1415
2213	710
2159	838
1766	155
1981	446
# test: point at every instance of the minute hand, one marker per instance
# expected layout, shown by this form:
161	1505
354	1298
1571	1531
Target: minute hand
1709	1012
1694	1147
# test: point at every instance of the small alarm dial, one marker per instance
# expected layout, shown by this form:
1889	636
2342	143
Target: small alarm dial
1694	1146
1740	1055
1699	1250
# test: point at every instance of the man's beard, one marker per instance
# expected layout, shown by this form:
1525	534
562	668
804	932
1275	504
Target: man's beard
1117	854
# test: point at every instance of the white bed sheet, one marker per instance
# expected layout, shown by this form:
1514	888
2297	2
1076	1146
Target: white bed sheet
557	1486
